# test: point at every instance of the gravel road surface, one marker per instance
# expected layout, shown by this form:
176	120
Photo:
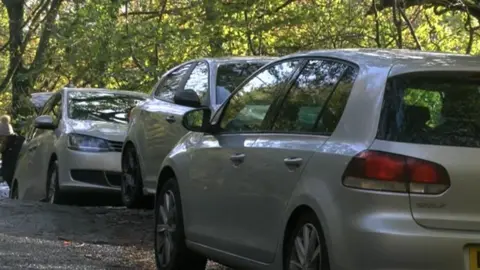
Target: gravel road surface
36	235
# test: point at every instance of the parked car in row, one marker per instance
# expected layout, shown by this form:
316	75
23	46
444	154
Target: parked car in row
74	145
342	159
155	125
38	101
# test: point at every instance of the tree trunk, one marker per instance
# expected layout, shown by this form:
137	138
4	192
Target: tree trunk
16	73
23	79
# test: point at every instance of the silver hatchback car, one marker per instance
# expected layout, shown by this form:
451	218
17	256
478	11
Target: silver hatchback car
74	145
340	160
155	126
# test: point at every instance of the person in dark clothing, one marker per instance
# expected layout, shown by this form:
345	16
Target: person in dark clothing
10	145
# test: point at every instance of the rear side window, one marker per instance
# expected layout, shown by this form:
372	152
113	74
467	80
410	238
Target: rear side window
171	83
316	101
432	108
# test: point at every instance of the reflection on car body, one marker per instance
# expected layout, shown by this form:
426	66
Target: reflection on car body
75	144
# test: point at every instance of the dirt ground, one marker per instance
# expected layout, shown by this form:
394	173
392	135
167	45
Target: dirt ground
36	235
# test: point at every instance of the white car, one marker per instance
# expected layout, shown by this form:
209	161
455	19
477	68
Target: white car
74	145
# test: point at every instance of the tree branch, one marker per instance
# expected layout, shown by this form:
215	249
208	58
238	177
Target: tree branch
48	29
377	25
410	27
277	9
449	5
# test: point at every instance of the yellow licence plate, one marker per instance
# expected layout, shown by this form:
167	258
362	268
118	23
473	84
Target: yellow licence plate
474	259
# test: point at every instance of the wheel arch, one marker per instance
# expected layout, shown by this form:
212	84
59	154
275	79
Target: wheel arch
53	158
130	143
126	144
295	215
166	173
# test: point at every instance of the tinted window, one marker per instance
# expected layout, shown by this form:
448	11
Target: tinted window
246	110
171	83
336	105
229	76
198	81
101	106
433	108
312	104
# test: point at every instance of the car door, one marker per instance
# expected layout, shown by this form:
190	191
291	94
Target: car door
162	121
30	180
42	146
220	163
307	117
23	163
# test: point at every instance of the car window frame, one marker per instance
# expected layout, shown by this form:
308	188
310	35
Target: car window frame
319	116
273	110
208	96
182	81
215	77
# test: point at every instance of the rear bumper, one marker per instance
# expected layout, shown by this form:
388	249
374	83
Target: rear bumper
380	237
90	171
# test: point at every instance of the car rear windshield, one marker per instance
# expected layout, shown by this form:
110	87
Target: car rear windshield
230	75
439	108
101	106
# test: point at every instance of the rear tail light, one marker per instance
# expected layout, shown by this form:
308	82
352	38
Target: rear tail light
376	170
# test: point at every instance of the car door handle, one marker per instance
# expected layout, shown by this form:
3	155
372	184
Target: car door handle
170	119
237	158
293	162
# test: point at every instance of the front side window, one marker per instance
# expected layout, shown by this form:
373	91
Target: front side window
231	75
247	109
439	108
171	83
101	106
198	81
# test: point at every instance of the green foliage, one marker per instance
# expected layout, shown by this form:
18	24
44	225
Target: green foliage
112	44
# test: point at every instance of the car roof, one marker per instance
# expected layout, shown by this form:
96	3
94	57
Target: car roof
236	59
40	98
104	90
400	60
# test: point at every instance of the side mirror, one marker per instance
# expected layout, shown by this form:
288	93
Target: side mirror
45	122
197	120
187	98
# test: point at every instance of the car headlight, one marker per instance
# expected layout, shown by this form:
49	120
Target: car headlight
87	143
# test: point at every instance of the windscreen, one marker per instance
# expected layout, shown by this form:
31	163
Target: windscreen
440	108
230	75
101	106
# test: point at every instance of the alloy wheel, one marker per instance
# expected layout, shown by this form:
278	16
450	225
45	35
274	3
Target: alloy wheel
306	251
166	226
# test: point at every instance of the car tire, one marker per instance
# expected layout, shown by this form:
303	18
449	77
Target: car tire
171	252
13	194
53	194
131	181
317	256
